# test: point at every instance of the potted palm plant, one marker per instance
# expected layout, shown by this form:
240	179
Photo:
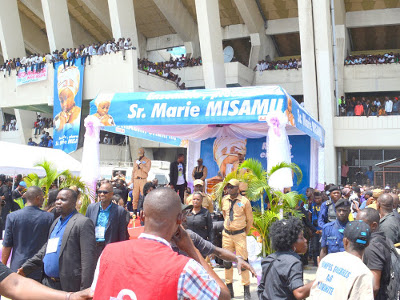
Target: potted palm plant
65	178
281	204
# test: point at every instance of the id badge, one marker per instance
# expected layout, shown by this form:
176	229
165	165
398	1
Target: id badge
52	245
99	232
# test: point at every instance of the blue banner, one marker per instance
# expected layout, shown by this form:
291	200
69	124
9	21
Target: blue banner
190	107
135	132
68	83
220	155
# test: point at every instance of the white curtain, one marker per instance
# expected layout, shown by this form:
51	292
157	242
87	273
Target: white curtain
278	151
91	154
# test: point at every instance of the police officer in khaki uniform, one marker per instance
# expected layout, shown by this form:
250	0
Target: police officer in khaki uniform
140	172
238	217
207	201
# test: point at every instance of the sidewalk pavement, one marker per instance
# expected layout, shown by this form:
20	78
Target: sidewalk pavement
309	275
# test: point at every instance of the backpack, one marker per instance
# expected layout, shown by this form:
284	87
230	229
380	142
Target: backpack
393	288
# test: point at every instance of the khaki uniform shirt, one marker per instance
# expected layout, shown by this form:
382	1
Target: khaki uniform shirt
141	170
207	202
242	213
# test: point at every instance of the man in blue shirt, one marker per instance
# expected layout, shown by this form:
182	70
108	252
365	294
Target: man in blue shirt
332	233
26	231
370	175
327	213
109	219
68	257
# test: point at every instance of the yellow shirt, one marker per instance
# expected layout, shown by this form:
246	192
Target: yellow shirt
207	202
242	213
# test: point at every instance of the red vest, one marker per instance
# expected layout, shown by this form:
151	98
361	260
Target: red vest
147	268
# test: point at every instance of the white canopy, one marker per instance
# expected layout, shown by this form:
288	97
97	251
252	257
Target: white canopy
21	159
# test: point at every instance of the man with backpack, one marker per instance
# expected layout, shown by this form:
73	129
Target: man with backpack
381	258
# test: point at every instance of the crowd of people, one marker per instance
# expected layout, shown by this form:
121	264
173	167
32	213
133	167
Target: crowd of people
369	106
10	125
45	140
163	69
367	59
36	62
292	63
349	232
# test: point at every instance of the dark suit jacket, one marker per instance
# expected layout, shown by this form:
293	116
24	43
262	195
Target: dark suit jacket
117	228
173	173
77	254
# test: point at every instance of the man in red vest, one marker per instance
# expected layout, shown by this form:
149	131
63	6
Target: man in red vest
148	268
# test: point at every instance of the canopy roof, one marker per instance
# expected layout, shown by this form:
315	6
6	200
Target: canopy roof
21	159
200	114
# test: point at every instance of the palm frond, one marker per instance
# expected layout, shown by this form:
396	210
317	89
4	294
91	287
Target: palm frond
256	189
218	189
290	199
255	167
295	168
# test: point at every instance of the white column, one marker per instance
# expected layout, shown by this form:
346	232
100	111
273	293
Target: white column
58	25
12	41
182	22
25	119
209	25
261	44
123	21
308	57
325	80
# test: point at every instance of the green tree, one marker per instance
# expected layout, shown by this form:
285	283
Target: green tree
65	179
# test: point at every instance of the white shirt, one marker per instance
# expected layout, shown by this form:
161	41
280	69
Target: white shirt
342	276
181	179
127	45
389	106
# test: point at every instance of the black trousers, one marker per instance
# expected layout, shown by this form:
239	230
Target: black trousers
181	190
344	180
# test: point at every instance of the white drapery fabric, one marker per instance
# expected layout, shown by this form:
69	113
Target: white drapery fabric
198	133
91	154
278	151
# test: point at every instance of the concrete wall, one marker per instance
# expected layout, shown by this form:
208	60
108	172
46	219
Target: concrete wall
371	132
235	74
371	78
290	80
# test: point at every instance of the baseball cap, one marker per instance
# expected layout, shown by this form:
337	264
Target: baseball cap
22	183
198	182
357	232
234	182
342	202
387	187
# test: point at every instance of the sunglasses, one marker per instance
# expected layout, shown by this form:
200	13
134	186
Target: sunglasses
103	192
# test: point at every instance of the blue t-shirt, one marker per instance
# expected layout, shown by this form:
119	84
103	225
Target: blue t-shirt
314	210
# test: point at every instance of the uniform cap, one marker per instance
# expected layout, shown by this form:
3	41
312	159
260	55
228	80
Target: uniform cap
334	188
234	182
342	202
198	182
